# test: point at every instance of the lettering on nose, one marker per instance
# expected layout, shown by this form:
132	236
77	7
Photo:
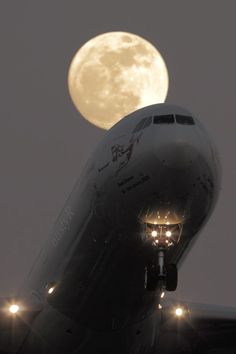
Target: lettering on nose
63	226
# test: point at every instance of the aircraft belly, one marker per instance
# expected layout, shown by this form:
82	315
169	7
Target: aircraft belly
54	333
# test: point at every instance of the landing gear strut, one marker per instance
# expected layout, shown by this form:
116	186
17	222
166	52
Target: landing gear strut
160	275
162	234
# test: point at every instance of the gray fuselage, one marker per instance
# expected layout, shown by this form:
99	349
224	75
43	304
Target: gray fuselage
97	253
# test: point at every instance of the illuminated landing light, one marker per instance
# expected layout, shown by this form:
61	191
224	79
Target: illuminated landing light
51	290
179	312
154	233
159	306
162	294
13	309
168	233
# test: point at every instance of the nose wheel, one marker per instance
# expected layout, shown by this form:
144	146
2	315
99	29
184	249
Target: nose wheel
171	277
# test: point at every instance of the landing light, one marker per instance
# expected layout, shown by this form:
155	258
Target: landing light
154	233
179	312
161	235
13	309
162	294
51	290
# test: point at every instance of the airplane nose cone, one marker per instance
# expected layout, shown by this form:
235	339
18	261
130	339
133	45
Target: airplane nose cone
178	155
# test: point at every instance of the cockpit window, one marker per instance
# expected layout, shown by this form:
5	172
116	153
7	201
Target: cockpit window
144	123
180	119
164	119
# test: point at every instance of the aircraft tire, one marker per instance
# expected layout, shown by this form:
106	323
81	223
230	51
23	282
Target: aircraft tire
151	278
171	277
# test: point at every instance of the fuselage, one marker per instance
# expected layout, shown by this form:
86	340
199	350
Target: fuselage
158	167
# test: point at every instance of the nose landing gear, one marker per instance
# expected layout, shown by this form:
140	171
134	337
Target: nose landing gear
162	236
159	275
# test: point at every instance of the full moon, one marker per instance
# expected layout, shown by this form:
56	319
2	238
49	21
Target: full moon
114	74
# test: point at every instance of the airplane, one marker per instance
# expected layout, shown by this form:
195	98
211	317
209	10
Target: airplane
99	283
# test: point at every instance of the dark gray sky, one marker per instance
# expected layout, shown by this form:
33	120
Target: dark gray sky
44	142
